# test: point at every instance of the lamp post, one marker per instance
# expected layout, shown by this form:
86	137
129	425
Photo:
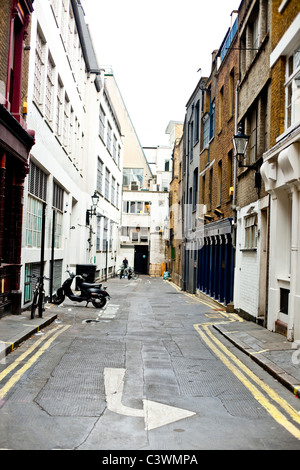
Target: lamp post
92	211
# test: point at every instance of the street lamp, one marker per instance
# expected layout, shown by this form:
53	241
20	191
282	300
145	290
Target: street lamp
92	211
240	144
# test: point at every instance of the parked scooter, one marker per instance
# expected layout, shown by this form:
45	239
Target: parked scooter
89	292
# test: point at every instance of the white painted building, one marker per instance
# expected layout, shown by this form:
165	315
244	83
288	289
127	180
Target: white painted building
250	293
78	150
160	162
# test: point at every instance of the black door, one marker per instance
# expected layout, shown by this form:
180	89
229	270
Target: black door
141	259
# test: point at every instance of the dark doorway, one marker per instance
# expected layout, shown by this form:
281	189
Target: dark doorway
141	259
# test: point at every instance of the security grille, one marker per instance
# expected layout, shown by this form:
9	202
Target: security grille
37	182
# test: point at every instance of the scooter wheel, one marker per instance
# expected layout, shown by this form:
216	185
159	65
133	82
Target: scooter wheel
57	301
99	303
58	297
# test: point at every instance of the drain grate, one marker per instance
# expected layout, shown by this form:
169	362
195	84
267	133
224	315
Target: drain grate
90	321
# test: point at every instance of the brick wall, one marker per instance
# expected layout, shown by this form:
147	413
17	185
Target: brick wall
5	9
216	163
280	23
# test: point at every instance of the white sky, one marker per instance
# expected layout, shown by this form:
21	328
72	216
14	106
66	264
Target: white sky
155	49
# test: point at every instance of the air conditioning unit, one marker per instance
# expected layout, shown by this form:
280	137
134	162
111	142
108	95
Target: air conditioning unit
134	186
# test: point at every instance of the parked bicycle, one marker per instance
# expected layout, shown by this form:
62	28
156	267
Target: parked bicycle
128	273
38	296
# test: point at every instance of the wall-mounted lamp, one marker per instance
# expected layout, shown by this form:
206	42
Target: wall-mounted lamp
240	144
92	211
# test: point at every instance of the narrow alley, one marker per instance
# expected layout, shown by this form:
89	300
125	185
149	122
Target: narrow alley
149	371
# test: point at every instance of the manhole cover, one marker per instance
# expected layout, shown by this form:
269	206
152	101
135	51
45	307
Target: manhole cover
90	321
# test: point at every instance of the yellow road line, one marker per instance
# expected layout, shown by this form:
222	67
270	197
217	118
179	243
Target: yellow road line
23	356
193	296
272	394
258	395
14	379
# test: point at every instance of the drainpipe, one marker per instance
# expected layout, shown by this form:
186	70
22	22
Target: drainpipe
294	264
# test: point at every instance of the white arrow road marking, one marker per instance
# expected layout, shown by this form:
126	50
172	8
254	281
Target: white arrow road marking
155	414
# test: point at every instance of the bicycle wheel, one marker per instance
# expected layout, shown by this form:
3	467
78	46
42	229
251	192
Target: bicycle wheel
34	303
41	304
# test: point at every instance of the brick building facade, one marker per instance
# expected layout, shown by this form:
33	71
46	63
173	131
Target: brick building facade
15	144
251	263
215	262
281	171
175	243
248	240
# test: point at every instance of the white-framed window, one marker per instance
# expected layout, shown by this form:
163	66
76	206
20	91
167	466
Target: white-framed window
292	87
98	234
49	89
58	199
113	190
70	44
119	155
108	141
59	106
100	176
66	122
136	207
253	135
206	124
101	122
37	190
40	50
117	195
115	148
34	222
105	233
64	19
251	232
111	225
107	180
255	36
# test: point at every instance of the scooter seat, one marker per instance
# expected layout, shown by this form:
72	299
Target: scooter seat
88	285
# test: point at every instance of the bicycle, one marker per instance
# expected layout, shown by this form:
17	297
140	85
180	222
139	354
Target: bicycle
38	296
129	272
119	272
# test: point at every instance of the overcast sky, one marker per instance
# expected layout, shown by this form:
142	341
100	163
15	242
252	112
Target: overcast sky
155	49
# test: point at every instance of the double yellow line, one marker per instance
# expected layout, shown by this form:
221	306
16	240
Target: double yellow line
243	373
52	335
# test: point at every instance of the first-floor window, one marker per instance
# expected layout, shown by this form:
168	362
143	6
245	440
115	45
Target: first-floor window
58	198
98	235
34	222
107	179
251	232
293	89
105	233
205	131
